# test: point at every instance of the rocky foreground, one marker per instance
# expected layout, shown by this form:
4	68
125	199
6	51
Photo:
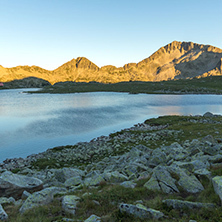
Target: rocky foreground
167	169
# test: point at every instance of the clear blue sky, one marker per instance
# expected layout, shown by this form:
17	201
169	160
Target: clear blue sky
49	33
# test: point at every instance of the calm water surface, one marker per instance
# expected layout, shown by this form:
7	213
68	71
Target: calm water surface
32	123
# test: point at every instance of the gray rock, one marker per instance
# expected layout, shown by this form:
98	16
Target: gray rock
93	218
25	194
176	152
162	180
128	184
13	184
115	177
94	180
208	114
180	204
217	183
69	203
3	214
64	174
187	181
166	179
140	211
73	181
42	197
157	157
5	200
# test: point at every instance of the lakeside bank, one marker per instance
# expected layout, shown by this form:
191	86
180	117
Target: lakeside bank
168	168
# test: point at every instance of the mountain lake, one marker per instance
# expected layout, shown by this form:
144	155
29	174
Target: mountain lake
32	123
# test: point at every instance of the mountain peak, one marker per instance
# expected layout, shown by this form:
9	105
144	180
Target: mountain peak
175	60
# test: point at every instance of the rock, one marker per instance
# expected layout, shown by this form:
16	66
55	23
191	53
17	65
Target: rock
169	179
65	173
69	203
208	114
73	181
114	177
13	184
140	211
217	183
157	157
94	180
180	204
128	184
5	200
25	194
67	219
93	218
3	214
176	152
202	173
42	197
162	180
192	165
187	181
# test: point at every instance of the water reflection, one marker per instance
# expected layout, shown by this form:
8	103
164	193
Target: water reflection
33	123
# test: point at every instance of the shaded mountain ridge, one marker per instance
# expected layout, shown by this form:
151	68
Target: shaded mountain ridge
177	60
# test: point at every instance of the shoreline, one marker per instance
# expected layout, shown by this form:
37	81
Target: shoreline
167	167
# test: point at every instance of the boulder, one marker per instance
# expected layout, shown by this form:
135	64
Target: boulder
42	197
5	200
208	114
170	179
162	180
217	183
176	152
73	181
187	181
157	157
3	214
13	184
25	195
69	203
128	184
180	204
94	180
64	174
140	211
93	218
114	177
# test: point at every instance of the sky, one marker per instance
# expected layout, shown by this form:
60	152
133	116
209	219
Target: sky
49	33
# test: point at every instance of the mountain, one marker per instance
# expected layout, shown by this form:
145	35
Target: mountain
177	60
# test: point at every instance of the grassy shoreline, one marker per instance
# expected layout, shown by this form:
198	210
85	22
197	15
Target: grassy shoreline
208	85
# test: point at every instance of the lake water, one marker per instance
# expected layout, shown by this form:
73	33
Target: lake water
32	123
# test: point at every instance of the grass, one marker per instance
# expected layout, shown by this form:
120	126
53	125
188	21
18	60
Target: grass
104	202
205	85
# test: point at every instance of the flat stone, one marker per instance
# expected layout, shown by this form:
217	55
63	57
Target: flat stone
180	204
140	211
128	184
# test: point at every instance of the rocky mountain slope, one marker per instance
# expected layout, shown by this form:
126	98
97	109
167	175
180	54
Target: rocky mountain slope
177	60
